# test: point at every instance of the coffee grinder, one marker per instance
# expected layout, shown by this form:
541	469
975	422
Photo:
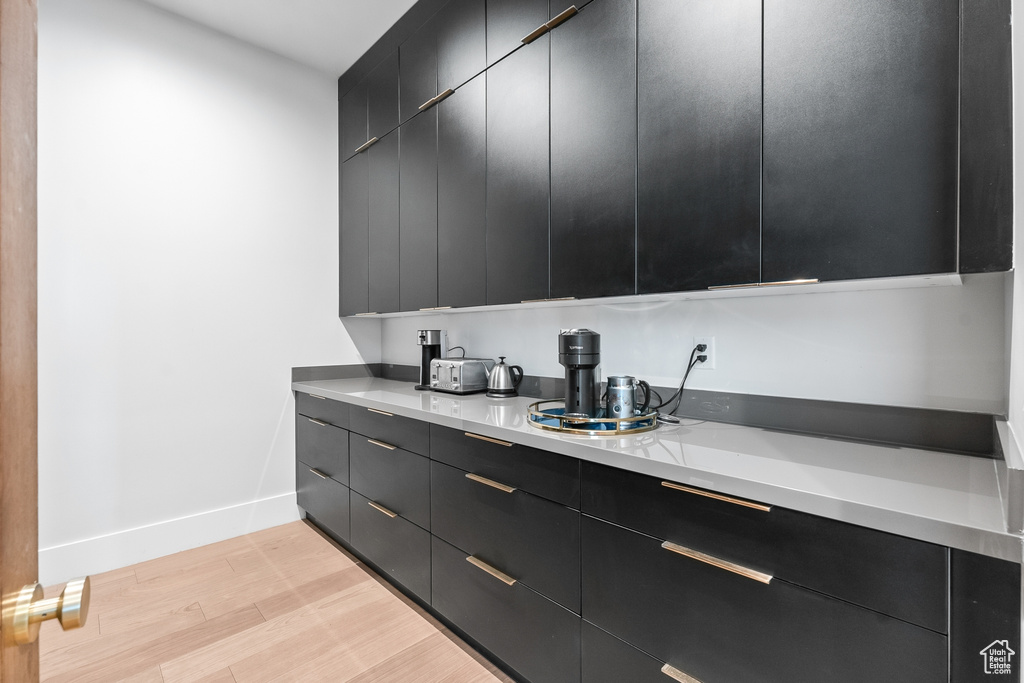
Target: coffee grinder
432	345
580	352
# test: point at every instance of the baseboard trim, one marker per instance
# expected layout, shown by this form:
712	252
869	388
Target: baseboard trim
122	548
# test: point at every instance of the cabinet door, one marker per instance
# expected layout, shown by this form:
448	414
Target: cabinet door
699	109
461	42
397	479
353	121
860	138
418	68
593	157
461	196
354	239
509	21
382	97
399	548
323	499
518	176
418	248
383	219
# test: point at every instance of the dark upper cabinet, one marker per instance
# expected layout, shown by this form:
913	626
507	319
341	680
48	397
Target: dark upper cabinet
699	110
518	175
509	21
860	138
383	220
418	206
382	98
354	238
461	196
418	68
593	158
353	121
461	42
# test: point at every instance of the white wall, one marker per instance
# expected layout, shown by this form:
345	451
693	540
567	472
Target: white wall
936	347
187	260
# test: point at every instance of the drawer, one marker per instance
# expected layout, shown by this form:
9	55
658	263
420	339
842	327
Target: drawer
411	435
397	479
898	576
396	546
531	538
323	499
720	626
322	446
606	659
323	409
544	474
534	636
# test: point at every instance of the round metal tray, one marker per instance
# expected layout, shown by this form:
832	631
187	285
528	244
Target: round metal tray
550	415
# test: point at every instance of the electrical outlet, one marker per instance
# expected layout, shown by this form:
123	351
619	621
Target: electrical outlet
709	364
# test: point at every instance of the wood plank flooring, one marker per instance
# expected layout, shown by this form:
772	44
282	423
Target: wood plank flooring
284	604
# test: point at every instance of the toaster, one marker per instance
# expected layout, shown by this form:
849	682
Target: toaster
460	375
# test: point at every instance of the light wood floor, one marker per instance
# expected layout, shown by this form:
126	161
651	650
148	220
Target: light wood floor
285	604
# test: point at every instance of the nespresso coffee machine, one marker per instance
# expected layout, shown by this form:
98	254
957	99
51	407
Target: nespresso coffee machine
432	345
580	352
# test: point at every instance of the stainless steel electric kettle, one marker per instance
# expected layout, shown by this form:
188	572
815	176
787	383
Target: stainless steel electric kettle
504	379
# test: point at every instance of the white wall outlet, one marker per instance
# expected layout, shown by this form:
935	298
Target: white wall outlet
709	364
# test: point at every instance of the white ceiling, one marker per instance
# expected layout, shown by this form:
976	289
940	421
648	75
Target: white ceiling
329	35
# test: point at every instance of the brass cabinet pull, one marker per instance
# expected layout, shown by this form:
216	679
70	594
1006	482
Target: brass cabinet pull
560	18
366	145
381	508
382	444
500	575
717	496
778	283
318	473
490	482
436	308
721	564
435	100
535	34
322	398
318	422
488	439
741	286
543	301
380	412
677	675
366	314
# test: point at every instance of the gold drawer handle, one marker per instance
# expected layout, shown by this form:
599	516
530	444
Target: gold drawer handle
318	422
322	398
715	562
779	283
318	473
490	482
543	301
677	675
366	145
380	412
381	508
535	34
382	444
366	314
431	102
718	496
500	575
560	18
488	439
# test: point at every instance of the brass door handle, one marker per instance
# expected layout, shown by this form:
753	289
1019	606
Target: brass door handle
318	473
379	412
746	572
677	675
71	609
490	482
322	398
366	145
488	439
496	573
427	105
317	422
380	508
556	21
382	444
717	496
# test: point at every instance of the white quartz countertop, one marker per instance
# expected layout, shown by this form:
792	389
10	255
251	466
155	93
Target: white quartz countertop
952	500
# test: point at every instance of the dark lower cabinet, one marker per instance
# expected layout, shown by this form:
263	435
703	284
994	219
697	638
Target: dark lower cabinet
518	176
395	430
985	619
699	160
860	138
323	499
418	218
397	479
462	196
322	446
593	158
720	626
334	413
533	635
396	546
606	659
383	220
354	240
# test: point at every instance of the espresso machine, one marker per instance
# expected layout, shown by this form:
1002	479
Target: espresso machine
579	350
432	345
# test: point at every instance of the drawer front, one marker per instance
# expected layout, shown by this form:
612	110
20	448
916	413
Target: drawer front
323	447
544	474
719	626
397	479
411	435
325	500
891	574
534	636
533	539
323	409
399	548
606	659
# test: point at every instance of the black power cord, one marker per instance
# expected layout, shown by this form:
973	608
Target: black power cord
678	395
